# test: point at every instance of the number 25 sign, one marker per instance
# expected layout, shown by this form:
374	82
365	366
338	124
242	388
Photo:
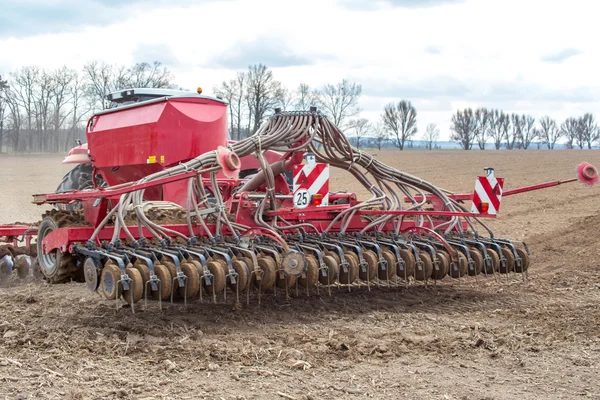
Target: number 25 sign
301	198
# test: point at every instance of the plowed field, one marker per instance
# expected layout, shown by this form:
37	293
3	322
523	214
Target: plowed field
538	339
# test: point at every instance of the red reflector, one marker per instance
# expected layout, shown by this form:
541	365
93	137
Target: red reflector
317	199
484	207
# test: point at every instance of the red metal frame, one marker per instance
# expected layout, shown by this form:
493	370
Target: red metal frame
461	197
14	233
242	206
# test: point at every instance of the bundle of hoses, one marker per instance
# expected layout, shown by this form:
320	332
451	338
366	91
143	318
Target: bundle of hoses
289	132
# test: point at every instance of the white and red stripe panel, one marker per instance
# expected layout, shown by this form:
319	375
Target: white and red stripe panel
487	194
313	177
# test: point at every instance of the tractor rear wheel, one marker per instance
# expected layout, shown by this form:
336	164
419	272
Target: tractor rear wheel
56	266
79	178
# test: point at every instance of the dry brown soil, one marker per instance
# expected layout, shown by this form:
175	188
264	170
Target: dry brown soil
487	340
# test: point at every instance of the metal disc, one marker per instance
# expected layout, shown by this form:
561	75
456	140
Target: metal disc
269	268
390	268
510	261
282	281
192	282
164	276
312	272
478	259
217	283
524	261
240	266
144	271
443	265
332	271
91	271
110	276
493	254
136	286
23	264
427	268
371	258
293	264
351	275
409	264
6	266
333	254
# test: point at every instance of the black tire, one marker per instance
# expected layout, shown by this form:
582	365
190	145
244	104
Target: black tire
251	173
248	173
79	178
57	266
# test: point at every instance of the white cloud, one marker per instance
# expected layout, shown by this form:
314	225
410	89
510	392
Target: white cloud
530	56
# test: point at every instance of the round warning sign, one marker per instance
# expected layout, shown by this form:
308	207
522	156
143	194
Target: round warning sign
301	198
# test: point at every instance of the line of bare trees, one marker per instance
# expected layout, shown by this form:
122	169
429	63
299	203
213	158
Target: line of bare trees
253	96
481	126
397	124
46	110
513	131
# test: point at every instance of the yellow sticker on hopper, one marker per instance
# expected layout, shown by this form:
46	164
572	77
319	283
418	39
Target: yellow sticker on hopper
151	160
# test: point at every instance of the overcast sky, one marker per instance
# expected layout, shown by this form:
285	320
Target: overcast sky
526	56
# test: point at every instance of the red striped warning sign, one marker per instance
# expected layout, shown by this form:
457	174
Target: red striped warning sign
487	194
314	178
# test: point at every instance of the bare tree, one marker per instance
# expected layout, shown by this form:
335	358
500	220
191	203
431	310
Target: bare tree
497	121
228	91
24	87
103	79
464	126
339	102
361	128
432	134
234	92
549	132
249	107
401	120
305	98
570	130
44	112
481	116
514	137
145	75
3	107
15	116
579	136
62	95
263	93
505	126
100	82
286	99
528	133
241	82
80	109
380	134
589	131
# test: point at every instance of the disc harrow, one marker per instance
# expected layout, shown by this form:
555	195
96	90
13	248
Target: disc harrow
235	237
